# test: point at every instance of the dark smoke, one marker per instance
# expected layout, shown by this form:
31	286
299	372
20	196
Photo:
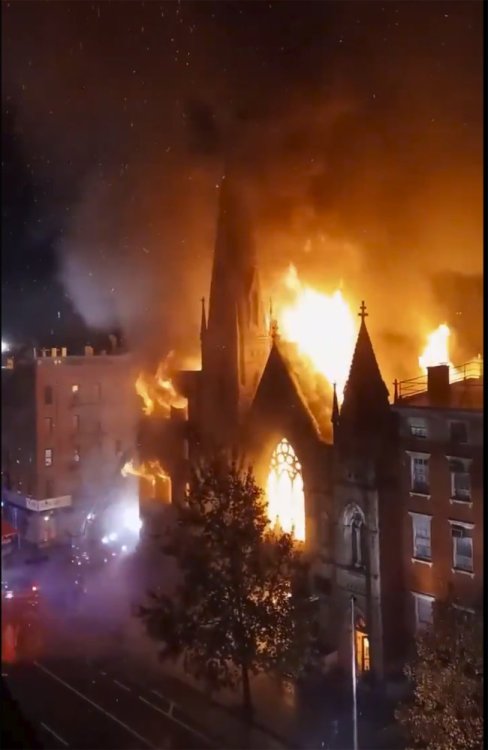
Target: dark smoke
359	127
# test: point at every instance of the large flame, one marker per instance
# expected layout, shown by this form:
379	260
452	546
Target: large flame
323	328
436	351
158	391
149	470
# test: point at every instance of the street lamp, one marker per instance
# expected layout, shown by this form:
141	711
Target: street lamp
354	678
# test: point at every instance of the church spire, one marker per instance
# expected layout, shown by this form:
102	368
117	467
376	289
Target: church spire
365	394
203	321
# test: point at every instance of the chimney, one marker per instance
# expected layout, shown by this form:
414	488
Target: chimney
438	385
88	351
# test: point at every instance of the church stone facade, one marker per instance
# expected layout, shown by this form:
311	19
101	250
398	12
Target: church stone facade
249	395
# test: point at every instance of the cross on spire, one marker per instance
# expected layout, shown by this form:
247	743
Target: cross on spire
362	314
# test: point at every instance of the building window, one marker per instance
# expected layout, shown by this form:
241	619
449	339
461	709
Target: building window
418	428
49	425
49	488
355	536
423	610
76	422
48	395
458	432
422	549
97	391
286	500
420	474
462	548
76	455
460	479
357	541
48	457
75	388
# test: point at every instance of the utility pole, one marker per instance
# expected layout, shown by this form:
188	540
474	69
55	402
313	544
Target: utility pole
354	678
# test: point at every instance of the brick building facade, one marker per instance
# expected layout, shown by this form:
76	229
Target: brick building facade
68	424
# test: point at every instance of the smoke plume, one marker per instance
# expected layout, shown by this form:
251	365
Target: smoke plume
358	128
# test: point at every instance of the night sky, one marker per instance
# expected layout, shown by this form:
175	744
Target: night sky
357	127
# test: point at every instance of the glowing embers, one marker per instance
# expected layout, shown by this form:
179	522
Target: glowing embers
149	470
286	500
322	326
436	351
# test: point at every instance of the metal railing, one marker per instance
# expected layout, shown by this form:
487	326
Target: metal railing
470	372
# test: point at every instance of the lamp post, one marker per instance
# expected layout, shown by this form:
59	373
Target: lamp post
354	677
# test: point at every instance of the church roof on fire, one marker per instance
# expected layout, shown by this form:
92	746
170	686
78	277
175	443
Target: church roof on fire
298	389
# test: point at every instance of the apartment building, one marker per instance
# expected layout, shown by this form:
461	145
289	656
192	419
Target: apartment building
441	438
68	425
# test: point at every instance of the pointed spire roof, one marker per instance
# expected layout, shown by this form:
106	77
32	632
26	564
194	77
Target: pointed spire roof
335	408
365	394
235	262
203	320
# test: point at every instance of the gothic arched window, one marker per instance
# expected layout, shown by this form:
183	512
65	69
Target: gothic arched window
355	536
286	500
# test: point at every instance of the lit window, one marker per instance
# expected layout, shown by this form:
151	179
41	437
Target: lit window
363	662
76	455
422	548
48	395
420	474
286	500
418	428
48	457
460	479
458	432
423	610
75	388
462	548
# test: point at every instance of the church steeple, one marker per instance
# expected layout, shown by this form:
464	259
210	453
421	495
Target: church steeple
236	340
366	395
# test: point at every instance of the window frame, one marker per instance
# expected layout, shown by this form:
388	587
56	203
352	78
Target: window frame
48	460
426	598
462	527
420	489
415	556
48	395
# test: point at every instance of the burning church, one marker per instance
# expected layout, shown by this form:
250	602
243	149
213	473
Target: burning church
329	462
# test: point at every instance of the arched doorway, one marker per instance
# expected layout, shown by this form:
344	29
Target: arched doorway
286	499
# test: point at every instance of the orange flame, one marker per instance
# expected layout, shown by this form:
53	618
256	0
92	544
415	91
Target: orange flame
436	351
158	391
149	470
323	328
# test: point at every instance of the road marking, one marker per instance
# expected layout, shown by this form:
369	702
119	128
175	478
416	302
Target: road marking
155	692
51	731
121	685
92	703
170	716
